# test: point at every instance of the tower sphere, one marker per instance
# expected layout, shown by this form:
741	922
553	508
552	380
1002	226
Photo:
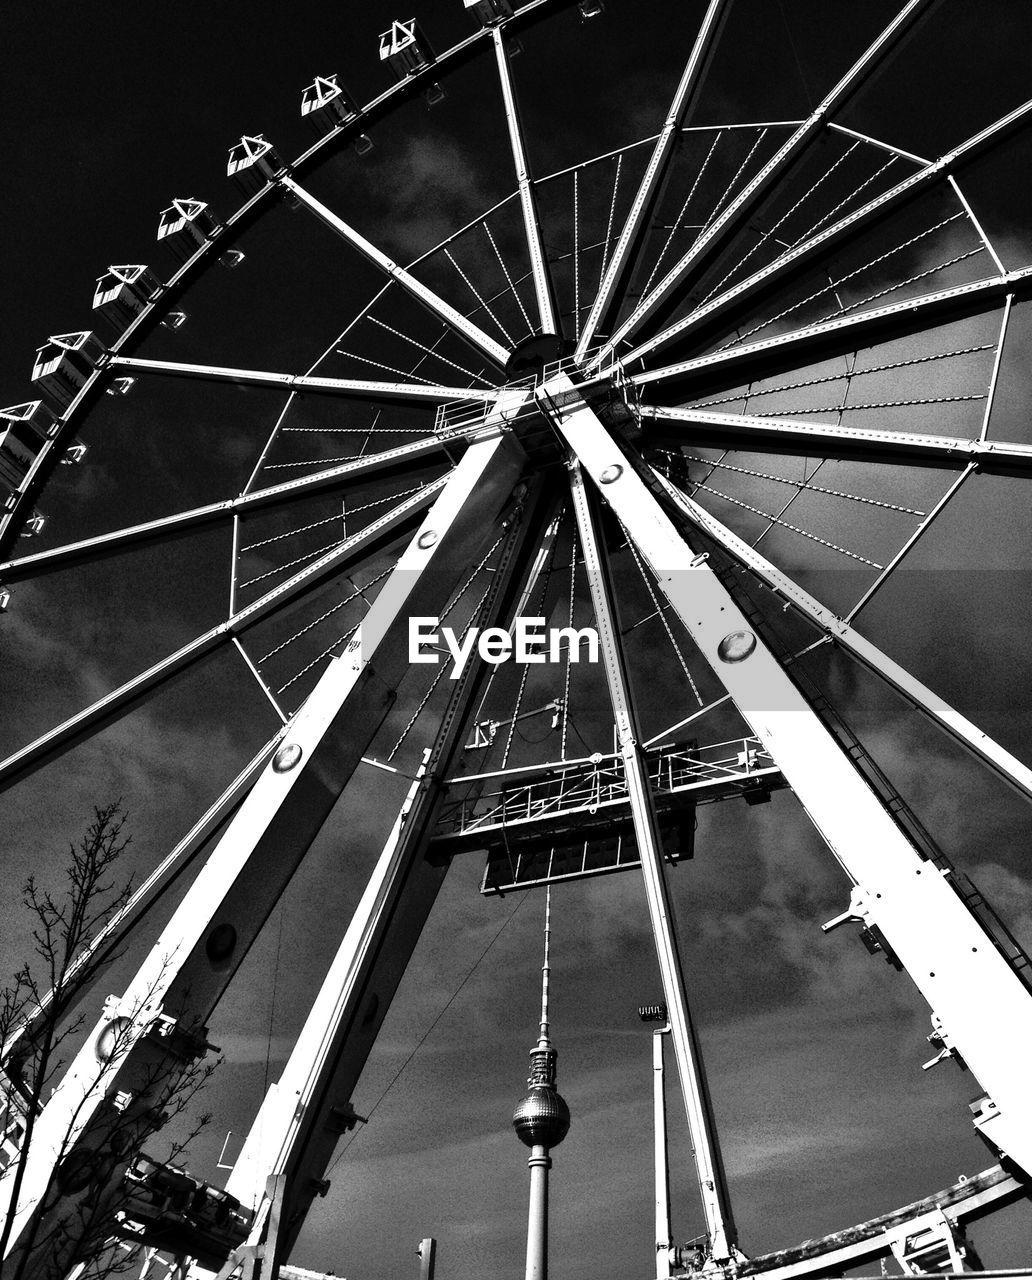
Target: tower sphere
542	1118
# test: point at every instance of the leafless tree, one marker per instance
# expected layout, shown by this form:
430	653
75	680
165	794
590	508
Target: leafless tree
83	1209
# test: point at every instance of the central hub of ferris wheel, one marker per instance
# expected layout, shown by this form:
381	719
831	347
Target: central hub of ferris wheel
533	355
530	405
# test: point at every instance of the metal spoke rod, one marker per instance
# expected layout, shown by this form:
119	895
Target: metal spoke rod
701	1123
703	427
414	392
358	470
801	255
962	730
121	700
462	325
714	237
544	289
844	333
982	1007
639	218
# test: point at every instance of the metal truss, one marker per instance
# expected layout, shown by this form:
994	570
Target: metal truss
540	473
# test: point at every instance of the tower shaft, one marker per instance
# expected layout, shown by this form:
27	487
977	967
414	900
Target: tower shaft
539	1164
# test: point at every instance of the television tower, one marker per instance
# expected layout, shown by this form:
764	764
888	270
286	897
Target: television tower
541	1121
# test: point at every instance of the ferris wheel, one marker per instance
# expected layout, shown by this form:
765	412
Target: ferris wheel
545	520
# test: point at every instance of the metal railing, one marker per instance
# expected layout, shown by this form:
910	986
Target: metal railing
599	782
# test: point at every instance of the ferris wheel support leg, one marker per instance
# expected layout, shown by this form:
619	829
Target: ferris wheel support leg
982	1010
157	1027
544	290
701	1124
308	1109
664	1242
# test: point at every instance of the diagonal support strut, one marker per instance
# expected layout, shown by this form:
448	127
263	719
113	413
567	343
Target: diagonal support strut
982	1007
701	1123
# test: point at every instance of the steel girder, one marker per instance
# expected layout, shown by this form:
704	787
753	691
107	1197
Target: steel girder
189	968
981	1007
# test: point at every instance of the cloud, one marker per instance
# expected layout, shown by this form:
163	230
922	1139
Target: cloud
432	184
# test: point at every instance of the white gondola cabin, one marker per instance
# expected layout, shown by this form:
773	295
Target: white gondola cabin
405	48
253	162
124	292
488	12
325	103
64	364
24	431
186	225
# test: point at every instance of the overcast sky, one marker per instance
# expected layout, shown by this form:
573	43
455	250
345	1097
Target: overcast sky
813	1047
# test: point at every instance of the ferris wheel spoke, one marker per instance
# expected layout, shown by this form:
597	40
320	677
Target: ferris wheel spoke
842	633
544	287
713	238
462	325
801	255
121	700
636	227
842	334
867	444
406	392
118	540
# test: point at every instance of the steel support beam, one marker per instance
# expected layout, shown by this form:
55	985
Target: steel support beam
715	236
704	428
664	1243
802	255
981	1005
637	224
544	289
962	730
444	311
701	1123
408	392
843	334
121	700
186	972
308	1109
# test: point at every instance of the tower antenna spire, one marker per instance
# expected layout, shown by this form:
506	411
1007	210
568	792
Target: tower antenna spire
543	1040
541	1120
